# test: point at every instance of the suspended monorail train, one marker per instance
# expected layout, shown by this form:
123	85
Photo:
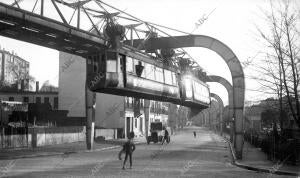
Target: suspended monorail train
127	72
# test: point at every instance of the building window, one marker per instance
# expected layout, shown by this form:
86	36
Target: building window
55	103
130	101
142	103
25	99
46	100
11	99
135	123
127	102
38	100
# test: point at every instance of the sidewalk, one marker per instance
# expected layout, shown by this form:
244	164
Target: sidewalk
136	140
63	149
255	159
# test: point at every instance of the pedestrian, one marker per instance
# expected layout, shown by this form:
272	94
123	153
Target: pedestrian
194	134
166	136
128	148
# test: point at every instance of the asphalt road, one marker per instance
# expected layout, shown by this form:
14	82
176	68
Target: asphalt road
207	155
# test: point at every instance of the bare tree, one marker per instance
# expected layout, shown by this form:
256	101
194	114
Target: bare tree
20	74
279	73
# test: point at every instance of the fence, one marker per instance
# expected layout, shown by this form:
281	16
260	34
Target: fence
44	136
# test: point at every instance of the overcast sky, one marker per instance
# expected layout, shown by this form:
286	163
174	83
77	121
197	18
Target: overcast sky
232	21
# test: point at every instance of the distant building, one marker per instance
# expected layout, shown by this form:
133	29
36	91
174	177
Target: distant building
14	70
253	117
254	113
31	97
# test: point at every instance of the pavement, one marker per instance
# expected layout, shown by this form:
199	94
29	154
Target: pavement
256	160
63	149
207	155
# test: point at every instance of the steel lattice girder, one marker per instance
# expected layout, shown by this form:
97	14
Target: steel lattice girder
26	26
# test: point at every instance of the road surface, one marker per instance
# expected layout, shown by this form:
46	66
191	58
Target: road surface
207	155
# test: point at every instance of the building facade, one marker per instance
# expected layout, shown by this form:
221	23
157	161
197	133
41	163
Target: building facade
32	97
14	70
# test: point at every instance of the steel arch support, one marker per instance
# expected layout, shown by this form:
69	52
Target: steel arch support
228	86
221	106
214	106
235	67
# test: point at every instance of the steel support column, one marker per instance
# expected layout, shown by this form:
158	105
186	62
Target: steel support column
90	105
146	113
213	110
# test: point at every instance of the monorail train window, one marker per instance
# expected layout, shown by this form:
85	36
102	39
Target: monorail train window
188	87
149	71
138	62
122	62
95	63
143	72
168	77
102	63
159	75
201	92
111	66
197	90
174	79
135	62
129	64
111	62
206	95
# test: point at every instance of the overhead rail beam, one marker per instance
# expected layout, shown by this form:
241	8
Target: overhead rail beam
20	24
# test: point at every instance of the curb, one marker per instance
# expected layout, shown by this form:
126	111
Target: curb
65	153
258	169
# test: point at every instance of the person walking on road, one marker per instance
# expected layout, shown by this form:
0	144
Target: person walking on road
166	136
128	148
194	134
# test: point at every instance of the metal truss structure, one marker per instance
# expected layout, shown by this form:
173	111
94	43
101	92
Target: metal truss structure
78	27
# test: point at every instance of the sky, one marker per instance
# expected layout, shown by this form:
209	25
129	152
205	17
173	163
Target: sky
234	22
